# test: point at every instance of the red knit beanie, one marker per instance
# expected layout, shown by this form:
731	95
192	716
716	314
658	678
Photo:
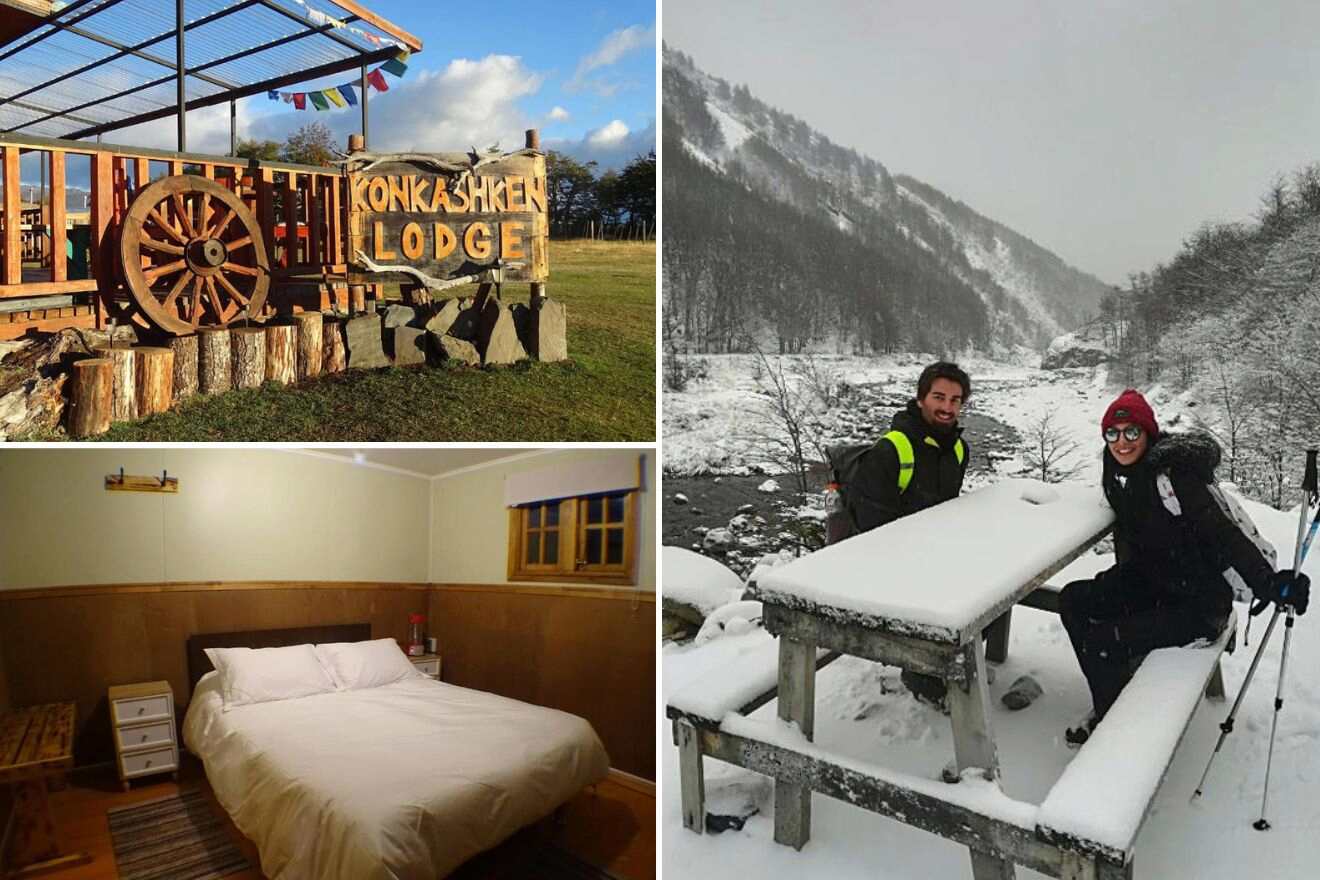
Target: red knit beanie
1130	406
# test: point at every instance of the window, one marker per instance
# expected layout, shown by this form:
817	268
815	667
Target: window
574	539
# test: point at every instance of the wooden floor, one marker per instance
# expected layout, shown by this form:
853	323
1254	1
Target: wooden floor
612	827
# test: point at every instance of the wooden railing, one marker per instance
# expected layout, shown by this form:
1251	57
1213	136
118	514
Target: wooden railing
301	210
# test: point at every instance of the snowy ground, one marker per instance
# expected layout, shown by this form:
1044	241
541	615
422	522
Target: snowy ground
862	710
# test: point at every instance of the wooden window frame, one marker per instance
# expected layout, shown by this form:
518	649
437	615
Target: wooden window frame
572	544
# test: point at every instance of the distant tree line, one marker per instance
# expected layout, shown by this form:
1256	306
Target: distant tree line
614	205
1235	317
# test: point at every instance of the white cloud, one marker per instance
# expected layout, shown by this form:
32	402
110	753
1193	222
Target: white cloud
608	135
608	152
612	48
558	114
469	103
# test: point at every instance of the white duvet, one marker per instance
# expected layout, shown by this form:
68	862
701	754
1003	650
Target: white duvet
402	781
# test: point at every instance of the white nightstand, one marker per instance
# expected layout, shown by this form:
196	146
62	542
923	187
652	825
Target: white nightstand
142	716
428	663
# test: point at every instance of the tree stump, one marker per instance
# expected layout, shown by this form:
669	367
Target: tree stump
281	353
154	379
185	366
310	353
249	349
213	367
92	397
124	389
332	345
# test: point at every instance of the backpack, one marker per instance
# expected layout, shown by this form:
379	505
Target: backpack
845	463
1236	515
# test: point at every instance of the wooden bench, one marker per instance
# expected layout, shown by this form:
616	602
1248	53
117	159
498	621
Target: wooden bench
36	744
1127	757
742	687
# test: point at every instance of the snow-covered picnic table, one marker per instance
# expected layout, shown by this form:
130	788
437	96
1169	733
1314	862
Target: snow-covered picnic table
917	594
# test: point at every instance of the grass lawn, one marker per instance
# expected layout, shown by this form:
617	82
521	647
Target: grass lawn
605	392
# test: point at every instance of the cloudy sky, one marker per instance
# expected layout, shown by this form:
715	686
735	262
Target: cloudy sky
584	73
1105	131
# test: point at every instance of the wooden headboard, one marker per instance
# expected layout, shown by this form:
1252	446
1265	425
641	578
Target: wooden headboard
199	664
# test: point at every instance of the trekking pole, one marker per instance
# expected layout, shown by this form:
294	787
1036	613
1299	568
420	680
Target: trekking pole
1299	555
1309	492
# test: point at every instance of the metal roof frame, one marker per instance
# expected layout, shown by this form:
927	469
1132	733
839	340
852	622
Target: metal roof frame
73	19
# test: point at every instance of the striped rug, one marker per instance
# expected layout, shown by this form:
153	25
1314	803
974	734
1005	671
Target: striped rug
173	838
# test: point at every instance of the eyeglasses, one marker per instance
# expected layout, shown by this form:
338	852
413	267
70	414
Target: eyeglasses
1132	433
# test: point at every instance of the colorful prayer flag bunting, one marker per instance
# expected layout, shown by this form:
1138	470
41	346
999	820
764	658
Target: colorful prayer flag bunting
300	100
348	94
377	81
333	96
273	95
397	65
318	100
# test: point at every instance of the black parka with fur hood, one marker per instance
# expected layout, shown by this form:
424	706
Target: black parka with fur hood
1183	556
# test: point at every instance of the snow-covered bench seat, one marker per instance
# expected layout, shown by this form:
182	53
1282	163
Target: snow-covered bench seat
1097	807
741	687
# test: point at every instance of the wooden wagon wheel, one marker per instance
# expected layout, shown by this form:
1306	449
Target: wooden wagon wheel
193	255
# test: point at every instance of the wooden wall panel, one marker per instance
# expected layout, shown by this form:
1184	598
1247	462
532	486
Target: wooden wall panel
592	656
75	647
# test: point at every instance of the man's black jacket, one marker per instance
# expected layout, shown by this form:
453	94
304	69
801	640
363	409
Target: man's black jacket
873	498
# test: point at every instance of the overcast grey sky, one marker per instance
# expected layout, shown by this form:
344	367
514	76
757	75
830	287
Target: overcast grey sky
1104	131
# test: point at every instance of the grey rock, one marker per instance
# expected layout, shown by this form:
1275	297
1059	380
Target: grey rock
399	316
445	317
680	498
467	323
522	322
747	508
717	540
409	346
497	338
363	340
549	332
1021	693
447	348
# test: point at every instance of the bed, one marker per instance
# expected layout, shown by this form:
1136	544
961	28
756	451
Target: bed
405	780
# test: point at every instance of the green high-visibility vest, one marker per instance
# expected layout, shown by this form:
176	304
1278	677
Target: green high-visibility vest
906	460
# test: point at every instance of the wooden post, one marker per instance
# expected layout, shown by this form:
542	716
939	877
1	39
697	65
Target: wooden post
310	352
692	782
281	353
185	366
996	637
102	218
357	299
11	270
92	397
974	742
797	703
213	367
249	346
59	267
333	349
290	220
124	389
154	378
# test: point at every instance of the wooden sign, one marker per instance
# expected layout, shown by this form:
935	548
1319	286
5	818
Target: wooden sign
450	218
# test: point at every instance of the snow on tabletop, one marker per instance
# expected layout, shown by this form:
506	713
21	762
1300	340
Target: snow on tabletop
1128	752
697	580
945	567
973	793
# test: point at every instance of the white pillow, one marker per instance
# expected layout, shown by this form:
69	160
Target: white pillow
259	675
355	665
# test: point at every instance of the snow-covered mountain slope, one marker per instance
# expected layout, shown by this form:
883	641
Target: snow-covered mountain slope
924	238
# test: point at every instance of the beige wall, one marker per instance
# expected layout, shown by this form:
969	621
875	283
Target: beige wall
240	514
470	524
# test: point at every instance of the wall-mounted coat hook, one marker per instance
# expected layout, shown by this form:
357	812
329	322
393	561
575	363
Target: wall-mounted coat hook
130	483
